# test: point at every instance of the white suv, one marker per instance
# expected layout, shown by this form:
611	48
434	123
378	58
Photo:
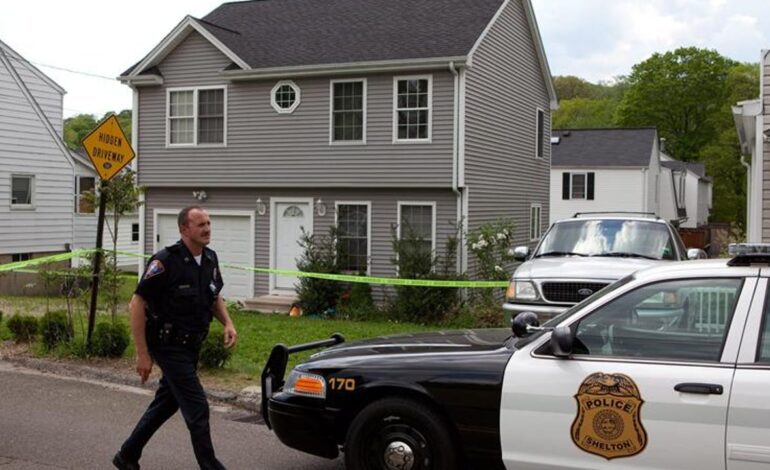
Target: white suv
579	256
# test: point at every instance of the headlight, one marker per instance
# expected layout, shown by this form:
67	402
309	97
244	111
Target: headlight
305	384
521	290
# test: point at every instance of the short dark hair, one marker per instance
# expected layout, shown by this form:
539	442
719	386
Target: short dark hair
183	218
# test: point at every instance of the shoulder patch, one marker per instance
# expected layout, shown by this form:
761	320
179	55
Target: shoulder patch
155	268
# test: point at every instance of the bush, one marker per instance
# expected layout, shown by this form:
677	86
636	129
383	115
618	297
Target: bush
320	255
415	260
357	304
1	316
109	340
23	327
55	329
214	354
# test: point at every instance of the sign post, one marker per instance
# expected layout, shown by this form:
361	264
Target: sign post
110	152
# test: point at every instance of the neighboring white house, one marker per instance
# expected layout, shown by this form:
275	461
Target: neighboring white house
623	170
752	121
40	179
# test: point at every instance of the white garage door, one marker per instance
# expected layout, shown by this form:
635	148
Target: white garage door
231	238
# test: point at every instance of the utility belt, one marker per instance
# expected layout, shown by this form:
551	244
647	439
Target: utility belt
168	334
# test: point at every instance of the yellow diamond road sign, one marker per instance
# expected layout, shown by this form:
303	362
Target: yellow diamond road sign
108	148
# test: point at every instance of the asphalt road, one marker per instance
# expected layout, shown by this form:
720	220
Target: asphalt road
49	422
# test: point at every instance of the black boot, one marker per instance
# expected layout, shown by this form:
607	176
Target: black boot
122	464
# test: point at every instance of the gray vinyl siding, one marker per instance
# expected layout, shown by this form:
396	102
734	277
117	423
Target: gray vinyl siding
26	147
504	89
384	206
268	149
766	150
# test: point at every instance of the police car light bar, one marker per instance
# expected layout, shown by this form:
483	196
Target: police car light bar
736	249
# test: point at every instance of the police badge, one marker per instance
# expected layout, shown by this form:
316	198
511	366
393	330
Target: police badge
608	422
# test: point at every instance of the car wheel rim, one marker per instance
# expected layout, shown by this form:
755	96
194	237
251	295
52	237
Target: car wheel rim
399	447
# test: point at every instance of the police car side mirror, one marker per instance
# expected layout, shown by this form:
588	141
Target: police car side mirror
696	253
561	341
520	253
522	324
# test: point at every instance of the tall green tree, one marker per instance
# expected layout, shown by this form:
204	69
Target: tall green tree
585	105
681	93
77	127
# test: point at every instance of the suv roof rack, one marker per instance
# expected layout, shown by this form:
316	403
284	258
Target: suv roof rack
639	214
748	254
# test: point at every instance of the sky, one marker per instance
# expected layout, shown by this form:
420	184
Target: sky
593	39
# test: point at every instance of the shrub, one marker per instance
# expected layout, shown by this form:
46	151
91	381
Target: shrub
55	329
415	260
110	339
320	255
1	316
23	327
214	354
356	303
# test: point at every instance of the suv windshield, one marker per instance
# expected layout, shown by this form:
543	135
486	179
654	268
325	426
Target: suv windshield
608	237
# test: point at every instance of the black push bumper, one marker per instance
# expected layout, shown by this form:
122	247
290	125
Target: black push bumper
303	427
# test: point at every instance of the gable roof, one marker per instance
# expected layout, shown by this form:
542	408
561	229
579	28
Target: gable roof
698	168
279	34
603	147
15	56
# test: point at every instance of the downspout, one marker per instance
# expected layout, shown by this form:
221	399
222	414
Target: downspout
748	196
456	161
135	167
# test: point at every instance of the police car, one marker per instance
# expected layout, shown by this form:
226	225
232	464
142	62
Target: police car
668	368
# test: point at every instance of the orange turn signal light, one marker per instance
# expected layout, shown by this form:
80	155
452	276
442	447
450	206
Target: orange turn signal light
309	385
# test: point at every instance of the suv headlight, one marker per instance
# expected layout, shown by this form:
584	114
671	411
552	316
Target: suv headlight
521	290
305	384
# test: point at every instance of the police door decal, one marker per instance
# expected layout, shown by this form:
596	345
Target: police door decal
608	422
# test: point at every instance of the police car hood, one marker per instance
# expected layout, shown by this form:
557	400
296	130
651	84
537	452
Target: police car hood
457	341
579	267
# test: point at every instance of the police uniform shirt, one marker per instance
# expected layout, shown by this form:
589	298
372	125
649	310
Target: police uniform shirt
178	290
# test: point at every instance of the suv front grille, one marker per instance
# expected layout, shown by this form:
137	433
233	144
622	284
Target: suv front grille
569	291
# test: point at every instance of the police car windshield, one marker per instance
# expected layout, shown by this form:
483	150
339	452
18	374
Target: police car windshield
609	237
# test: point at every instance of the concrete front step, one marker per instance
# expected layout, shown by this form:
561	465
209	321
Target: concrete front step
270	303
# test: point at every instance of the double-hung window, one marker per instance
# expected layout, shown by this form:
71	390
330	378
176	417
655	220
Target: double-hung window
196	116
412	108
83	186
348	111
417	222
134	232
22	191
353	233
578	185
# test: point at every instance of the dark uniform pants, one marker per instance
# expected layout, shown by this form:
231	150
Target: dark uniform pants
179	389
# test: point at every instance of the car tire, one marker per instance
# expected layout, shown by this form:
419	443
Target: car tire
398	433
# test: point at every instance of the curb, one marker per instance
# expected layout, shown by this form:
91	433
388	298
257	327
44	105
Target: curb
249	398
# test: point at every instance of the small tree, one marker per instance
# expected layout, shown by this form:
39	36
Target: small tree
121	197
321	254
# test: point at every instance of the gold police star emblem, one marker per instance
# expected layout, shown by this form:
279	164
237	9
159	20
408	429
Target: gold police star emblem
608	421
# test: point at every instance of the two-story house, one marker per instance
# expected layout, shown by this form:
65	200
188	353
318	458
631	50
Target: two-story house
371	115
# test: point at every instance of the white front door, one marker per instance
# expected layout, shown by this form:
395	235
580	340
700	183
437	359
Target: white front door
290	217
647	385
231	239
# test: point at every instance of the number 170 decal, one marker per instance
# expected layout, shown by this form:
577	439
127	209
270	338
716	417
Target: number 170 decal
336	383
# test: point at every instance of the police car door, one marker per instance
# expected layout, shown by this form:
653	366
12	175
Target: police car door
748	424
646	386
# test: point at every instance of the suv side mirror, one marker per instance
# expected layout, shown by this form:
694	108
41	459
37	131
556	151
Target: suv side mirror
696	253
520	324
521	253
561	341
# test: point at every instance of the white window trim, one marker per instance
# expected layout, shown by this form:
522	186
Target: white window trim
396	79
536	236
433	222
572	185
368	205
78	194
331	112
539	136
297	93
32	187
195	91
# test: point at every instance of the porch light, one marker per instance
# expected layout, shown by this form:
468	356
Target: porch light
261	207
320	208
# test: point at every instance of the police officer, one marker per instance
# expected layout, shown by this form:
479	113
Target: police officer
170	314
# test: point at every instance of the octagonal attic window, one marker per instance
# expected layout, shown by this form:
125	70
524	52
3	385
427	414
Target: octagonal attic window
285	96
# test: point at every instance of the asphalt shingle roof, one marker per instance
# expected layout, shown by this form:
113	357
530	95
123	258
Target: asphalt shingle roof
603	147
699	168
279	33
